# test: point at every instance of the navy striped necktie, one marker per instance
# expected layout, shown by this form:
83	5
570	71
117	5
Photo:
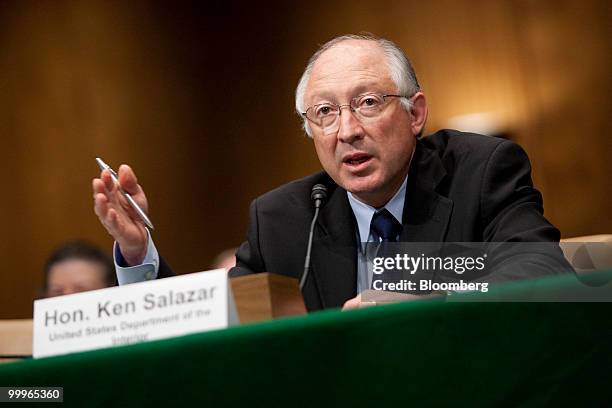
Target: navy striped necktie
385	227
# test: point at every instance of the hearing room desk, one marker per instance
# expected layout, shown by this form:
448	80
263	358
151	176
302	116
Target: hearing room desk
416	354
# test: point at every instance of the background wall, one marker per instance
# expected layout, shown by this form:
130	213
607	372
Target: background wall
199	100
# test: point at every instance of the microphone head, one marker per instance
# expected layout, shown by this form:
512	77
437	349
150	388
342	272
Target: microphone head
318	192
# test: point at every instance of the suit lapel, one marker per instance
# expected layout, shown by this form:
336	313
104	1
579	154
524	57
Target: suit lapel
426	213
334	248
334	251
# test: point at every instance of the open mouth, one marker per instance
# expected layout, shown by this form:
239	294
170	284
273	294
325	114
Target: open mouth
356	159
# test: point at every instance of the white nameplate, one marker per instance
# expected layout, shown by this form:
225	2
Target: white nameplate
133	313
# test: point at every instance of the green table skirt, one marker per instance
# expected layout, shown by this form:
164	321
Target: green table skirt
425	353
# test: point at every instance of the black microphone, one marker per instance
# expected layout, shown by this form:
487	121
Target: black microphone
318	195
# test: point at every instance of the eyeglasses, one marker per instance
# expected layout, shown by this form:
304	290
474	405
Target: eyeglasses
366	107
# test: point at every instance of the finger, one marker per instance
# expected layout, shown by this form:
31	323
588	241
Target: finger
129	184
114	222
104	201
111	189
101	208
108	181
128	180
108	216
351	304
97	186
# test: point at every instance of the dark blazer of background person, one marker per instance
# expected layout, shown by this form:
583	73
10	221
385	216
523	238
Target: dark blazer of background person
461	188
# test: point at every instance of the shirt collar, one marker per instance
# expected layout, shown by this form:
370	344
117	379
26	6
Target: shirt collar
363	212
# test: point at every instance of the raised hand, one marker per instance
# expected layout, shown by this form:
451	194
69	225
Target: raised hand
117	215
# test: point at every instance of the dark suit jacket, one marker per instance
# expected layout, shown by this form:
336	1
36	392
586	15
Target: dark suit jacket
461	187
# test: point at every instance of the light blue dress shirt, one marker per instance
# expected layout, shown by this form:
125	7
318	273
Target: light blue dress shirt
363	214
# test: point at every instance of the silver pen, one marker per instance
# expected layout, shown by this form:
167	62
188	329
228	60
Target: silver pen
135	206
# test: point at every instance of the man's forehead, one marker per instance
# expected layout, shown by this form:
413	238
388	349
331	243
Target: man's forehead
77	267
353	60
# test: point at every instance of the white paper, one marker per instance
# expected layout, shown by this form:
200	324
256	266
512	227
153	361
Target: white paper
133	313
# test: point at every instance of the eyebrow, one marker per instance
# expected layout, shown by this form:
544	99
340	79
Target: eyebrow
358	90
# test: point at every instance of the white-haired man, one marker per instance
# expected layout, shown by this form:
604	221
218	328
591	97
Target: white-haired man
363	108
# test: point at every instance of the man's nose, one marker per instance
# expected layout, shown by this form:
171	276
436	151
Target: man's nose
349	127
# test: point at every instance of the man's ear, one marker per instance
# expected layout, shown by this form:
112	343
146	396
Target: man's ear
418	112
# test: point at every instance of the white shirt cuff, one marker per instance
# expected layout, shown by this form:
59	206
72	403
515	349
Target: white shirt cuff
138	273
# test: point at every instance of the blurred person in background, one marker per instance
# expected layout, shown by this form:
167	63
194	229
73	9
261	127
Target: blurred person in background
77	266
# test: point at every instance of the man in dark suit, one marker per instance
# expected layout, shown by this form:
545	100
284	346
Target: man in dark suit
461	188
364	110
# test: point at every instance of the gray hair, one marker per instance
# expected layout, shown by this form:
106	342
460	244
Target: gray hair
400	69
